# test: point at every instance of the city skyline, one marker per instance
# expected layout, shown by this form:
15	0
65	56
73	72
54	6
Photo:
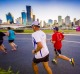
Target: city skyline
43	9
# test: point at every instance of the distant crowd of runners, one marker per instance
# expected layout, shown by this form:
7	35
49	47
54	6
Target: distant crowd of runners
40	51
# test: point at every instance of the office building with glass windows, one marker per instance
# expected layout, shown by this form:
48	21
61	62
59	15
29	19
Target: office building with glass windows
0	21
67	20
9	18
28	9
59	20
24	18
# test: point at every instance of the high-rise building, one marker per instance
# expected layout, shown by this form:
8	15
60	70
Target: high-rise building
28	8
59	20
77	22
9	18
33	17
50	21
74	20
19	20
24	18
55	21
0	21
67	20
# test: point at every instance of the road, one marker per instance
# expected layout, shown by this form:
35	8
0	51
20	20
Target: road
21	59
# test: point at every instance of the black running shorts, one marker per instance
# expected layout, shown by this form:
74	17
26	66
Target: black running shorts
1	41
57	52
44	59
10	41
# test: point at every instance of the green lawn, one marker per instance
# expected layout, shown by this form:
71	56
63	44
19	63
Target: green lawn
28	31
31	31
50	31
46	31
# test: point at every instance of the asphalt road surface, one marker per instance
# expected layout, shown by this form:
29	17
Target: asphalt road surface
21	60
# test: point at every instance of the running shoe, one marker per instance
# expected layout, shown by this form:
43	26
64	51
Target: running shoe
72	62
54	61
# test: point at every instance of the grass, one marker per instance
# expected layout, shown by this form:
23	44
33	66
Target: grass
2	30
28	31
48	31
68	31
31	31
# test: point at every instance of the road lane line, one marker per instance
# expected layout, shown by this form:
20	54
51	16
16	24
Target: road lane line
31	39
71	41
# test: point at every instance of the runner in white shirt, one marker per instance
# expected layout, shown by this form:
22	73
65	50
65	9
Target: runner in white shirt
40	36
40	51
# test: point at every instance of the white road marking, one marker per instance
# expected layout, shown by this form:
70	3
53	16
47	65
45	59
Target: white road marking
71	41
21	39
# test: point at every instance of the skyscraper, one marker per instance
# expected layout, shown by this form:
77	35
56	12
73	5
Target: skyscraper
50	21
59	20
19	21
67	20
55	22
0	21
24	18
77	22
28	8
74	20
33	17
9	18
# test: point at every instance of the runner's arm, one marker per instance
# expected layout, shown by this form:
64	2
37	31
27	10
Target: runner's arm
7	33
39	47
52	41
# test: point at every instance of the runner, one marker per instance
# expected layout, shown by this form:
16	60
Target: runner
57	38
11	38
40	51
1	42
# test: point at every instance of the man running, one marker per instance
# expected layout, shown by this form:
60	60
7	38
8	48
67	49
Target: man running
1	42
11	38
40	51
57	38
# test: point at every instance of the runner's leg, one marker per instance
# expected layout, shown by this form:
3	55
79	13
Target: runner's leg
47	68
35	67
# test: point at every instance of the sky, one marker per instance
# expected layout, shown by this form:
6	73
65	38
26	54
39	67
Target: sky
43	9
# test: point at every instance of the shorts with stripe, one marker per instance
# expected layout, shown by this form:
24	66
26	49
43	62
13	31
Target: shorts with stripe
57	52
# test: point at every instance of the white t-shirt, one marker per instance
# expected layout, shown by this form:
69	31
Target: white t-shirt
40	36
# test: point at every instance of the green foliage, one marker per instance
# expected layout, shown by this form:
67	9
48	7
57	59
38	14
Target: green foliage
9	71
28	31
47	31
19	30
